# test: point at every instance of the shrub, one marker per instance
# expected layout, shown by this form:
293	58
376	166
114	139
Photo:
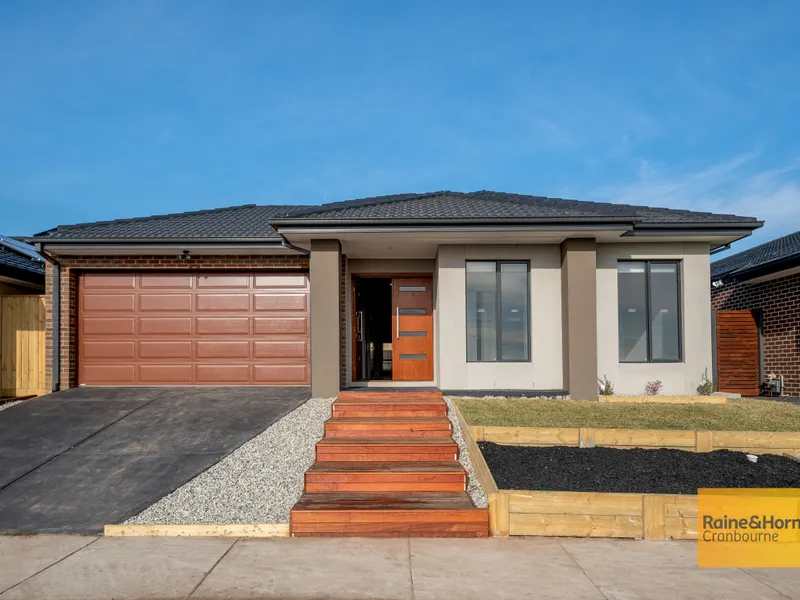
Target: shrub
706	387
653	387
605	387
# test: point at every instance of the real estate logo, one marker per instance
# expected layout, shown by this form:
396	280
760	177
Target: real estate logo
748	527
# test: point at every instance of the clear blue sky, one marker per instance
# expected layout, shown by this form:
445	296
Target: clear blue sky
122	109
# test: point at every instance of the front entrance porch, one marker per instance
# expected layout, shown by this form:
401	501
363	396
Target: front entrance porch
391	328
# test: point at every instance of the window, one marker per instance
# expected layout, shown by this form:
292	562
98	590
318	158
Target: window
649	311
498	316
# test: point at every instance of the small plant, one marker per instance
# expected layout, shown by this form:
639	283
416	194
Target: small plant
653	387
605	387
706	387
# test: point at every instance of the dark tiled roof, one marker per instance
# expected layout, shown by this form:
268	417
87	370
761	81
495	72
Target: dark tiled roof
248	222
778	250
20	261
489	206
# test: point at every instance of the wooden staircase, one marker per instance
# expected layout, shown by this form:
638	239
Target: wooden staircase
388	467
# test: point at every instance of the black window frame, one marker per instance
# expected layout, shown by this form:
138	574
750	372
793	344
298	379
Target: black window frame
499	305
648	323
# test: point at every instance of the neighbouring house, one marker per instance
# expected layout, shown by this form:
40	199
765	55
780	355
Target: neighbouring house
22	351
479	292
756	298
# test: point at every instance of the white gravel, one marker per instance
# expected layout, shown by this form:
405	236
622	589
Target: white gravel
9	404
474	488
257	483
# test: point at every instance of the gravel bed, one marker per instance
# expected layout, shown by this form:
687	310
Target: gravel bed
663	471
10	404
259	482
476	493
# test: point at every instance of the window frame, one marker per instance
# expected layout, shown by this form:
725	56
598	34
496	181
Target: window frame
498	316
648	323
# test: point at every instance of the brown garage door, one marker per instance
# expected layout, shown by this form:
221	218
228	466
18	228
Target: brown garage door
737	352
193	329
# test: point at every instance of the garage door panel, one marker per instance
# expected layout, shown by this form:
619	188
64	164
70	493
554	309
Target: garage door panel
193	329
108	325
105	281
173	282
280	302
105	349
165	326
223	281
222	325
165	302
179	374
165	349
296	374
280	349
109	302
223	374
235	349
280	325
281	280
108	373
223	302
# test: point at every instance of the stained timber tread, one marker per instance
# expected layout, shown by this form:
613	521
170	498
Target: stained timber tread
386	467
389	505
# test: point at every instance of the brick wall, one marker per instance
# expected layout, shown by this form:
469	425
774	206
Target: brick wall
71	268
779	301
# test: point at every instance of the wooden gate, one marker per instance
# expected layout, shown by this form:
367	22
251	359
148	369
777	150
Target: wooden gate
22	346
737	352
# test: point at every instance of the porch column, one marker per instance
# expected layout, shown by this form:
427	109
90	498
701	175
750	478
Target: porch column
579	317
324	267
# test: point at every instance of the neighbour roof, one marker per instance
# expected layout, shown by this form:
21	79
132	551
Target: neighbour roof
488	206
20	261
247	222
254	223
773	253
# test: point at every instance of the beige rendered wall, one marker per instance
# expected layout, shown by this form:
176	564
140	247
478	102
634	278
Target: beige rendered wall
545	369
678	378
325	278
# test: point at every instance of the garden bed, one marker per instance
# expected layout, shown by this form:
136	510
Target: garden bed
560	468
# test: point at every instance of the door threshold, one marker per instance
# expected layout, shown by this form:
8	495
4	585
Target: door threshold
392	384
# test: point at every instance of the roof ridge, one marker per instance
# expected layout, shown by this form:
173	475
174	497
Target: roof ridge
372	200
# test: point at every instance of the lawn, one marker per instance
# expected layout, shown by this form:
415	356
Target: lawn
738	415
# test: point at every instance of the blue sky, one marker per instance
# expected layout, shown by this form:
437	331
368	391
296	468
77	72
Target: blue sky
122	109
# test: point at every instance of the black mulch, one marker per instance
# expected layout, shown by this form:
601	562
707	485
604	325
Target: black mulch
563	468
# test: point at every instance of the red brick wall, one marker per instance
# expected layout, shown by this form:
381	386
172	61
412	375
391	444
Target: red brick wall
779	301
71	268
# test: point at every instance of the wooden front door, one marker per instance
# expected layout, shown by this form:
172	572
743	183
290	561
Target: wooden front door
412	328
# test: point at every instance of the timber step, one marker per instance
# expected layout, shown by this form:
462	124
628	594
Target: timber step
433	394
418	514
420	476
401	449
377	407
388	427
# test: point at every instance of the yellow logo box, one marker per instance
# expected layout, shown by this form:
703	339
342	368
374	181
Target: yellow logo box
748	527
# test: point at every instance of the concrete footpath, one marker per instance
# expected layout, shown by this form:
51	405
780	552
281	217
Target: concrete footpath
70	567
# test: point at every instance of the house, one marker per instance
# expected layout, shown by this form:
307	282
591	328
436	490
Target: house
756	298
478	292
21	269
22	351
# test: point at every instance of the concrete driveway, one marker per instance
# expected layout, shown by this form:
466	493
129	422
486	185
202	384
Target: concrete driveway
76	460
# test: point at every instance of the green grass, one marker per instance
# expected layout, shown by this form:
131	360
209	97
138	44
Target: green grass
743	414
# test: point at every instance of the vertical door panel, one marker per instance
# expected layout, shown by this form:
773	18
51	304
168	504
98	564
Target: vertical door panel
412	328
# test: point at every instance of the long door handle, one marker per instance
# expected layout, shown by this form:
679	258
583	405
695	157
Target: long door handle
397	320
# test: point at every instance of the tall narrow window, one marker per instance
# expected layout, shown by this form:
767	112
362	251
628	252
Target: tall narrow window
498	315
649	311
